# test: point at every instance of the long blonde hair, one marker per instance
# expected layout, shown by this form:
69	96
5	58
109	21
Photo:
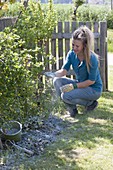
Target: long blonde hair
84	34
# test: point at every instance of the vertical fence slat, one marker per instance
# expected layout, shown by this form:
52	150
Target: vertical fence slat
60	45
1	24
74	26
53	51
47	52
67	40
7	22
88	24
106	60
81	23
103	27
96	41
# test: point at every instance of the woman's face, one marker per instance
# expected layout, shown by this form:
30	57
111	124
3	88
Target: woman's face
77	46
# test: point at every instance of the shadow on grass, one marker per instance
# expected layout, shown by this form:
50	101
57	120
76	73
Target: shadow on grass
108	95
84	133
79	137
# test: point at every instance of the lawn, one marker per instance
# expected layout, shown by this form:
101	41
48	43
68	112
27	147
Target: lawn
85	144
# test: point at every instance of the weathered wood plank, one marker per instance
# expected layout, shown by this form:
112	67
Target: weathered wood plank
106	60
53	51
96	40
68	35
81	23
74	26
60	45
88	24
67	40
6	22
47	52
103	27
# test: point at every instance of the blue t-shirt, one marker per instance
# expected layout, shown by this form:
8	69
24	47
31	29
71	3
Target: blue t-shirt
81	72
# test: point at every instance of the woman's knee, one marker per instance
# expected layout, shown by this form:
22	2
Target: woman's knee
68	97
65	97
55	80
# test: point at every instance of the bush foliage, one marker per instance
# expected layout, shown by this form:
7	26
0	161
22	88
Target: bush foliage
21	65
15	78
86	13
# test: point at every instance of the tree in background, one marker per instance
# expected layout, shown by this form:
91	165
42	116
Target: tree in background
77	3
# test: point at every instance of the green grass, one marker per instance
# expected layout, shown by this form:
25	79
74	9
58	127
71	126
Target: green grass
85	144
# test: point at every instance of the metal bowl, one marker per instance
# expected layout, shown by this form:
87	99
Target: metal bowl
11	130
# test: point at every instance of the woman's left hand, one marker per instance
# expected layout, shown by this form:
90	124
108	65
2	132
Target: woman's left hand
66	88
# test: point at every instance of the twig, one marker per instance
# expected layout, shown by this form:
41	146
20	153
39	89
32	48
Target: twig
20	148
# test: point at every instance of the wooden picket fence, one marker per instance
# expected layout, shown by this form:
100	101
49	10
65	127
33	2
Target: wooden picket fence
60	44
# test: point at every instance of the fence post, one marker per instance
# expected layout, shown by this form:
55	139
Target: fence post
103	28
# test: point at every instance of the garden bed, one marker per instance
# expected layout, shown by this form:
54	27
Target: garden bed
35	137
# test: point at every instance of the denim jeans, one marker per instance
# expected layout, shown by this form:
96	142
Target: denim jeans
80	96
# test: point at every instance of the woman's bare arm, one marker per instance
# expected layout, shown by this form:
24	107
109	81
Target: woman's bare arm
85	84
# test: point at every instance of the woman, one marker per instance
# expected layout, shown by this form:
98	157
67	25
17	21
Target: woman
87	87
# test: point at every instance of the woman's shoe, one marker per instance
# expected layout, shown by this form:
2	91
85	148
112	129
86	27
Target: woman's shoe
73	112
92	106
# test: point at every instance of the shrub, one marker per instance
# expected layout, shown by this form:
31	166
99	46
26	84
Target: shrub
15	78
110	19
21	65
91	13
